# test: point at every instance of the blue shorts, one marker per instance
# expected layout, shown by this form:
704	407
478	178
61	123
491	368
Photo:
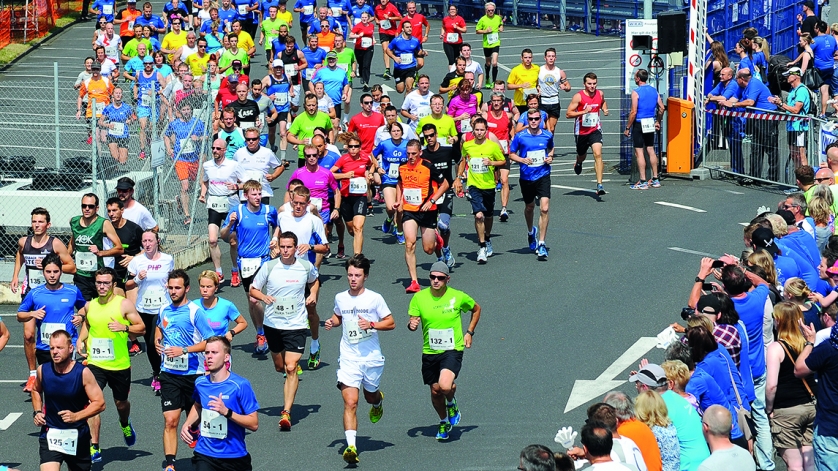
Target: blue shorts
326	215
263	140
145	112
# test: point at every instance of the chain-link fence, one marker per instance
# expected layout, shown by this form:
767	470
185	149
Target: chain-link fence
50	156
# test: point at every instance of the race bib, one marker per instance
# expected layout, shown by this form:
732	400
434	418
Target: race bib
47	328
406	58
343	67
317	202
336	11
213	424
280	99
111	51
441	339
250	266
245	125
465	126
537	157
178	363
590	120
187	146
366	42
358	186
242	10
355	21
36	278
385	24
286	307
131	25
393	171
63	441
530	91
86	261
308	9
476	165
101	349
647	125
118	129
355	334
492	38
100	107
107	9
291	70
219	204
253	175
452	37
310	73
412	196
326	48
145	99
504	144
423	111
153	298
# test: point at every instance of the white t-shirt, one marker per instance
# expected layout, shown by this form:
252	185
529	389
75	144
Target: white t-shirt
303	227
139	215
382	134
257	164
187	51
631	452
548	82
152	294
822	335
609	466
417	104
357	344
287	285
218	176
325	104
475	67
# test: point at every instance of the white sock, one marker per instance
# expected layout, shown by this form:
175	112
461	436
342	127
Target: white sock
315	346
219	271
444	421
350	437
33	372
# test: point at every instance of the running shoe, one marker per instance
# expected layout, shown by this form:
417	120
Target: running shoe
366	88
129	434
453	413
447	257
504	215
387	226
439	242
350	455
498	187
444	429
413	288
489	252
599	189
655	183
155	385
30	383
195	434
285	421
299	369
220	277
135	349
641	185
481	255
577	168
400	238
531	238
89	141
341	254
261	344
541	252
141	155
170	467
235	280
370	210
488	86
95	454
386	74
377	412
314	360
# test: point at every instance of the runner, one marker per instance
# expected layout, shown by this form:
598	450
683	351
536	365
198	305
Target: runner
391	116
532	104
362	33
478	155
231	134
533	149
294	61
405	50
643	122
183	139
439	309
391	153
70	397
363	313
446	128
114	122
387	17
500	125
268	112
355	171
306	10
335	84
280	91
319	182
103	342
444	159
282	286
218	311
417	104
147	273
255	225
218	184
88	233
451	34
420	186
490	26
584	109
302	128
523	78
180	339
226	406
258	163
551	79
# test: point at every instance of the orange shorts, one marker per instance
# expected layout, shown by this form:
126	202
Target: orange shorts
186	170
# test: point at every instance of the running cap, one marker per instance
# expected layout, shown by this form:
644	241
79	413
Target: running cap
651	375
763	238
278	63
792	71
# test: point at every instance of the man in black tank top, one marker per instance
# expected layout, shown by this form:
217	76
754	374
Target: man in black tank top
293	56
71	396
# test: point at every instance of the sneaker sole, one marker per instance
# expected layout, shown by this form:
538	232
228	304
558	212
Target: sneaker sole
350	457
504	218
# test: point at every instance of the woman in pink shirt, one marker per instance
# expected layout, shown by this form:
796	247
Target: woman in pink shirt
463	106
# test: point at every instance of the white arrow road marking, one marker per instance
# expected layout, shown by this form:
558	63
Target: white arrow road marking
9	420
694	252
681	206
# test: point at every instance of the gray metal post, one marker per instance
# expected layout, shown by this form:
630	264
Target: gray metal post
514	12
55	116
647	9
562	15
95	141
154	177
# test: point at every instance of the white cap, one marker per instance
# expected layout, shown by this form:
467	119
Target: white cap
278	63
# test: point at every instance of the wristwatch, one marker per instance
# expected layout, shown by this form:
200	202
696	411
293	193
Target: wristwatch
433	201
232	332
699	280
807	343
470	332
185	350
229	413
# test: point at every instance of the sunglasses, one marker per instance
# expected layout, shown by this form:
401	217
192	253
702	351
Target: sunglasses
822	179
216	148
311	155
88	206
251	138
438	277
429	135
366	102
353	146
538	118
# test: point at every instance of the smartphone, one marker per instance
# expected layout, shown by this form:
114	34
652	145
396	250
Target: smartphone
718	264
706	287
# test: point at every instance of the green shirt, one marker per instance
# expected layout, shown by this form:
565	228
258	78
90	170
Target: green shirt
83	238
445	127
481	176
130	48
303	126
441	319
271	30
347	56
494	23
228	57
105	349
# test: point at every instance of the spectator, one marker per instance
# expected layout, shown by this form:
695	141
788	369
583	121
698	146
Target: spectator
624	450
679	373
651	410
637	431
716	425
537	458
597	442
820	208
796	291
822	360
828	318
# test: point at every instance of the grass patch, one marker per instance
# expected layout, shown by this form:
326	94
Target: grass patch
10	52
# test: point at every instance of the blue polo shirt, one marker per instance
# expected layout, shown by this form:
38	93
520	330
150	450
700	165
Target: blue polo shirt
237	394
757	91
403	48
823	48
751	310
333	82
60	305
525	142
304	3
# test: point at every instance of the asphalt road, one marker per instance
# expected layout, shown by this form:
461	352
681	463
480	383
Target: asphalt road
612	278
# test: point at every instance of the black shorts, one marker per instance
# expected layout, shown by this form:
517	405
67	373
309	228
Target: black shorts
80	462
401	75
304	28
202	462
176	391
119	141
425	219
446	206
535	189
640	139
482	201
387	185
42	357
283	116
488	51
87	286
382	37
433	364
119	381
286	340
585	141
554	109
216	218
338	110
351	206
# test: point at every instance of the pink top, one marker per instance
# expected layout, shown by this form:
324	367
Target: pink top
457	106
318	183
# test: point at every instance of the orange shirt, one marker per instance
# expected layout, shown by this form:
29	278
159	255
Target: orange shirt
100	90
126	27
642	435
418	182
326	40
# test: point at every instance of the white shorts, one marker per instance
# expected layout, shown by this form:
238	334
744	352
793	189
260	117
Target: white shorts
361	373
295	100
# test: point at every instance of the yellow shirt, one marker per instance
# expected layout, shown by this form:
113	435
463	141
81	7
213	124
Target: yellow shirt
519	76
287	17
172	42
197	64
246	41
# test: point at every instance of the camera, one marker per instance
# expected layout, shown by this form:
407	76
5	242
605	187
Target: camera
687	312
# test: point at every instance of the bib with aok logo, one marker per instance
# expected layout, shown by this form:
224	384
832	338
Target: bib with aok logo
358	186
47	328
412	196
219	204
280	99
250	266
366	42
336	11
476	165
441	339
286	306
647	125
242	9
406	58
64	441
178	363
465	125
537	157
118	129
291	70
107	9
86	261
36	278
308	9
213	424
153	298
355	334
590	120
492	38
101	349
385	24
393	170
452	37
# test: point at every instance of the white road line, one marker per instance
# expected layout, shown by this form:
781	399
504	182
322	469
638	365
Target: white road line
744	224
680	206
21	381
9	420
14	346
562	187
8	315
735	192
694	252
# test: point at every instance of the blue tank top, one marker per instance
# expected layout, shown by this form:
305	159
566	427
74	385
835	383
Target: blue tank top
147	85
277	86
63	392
647	101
